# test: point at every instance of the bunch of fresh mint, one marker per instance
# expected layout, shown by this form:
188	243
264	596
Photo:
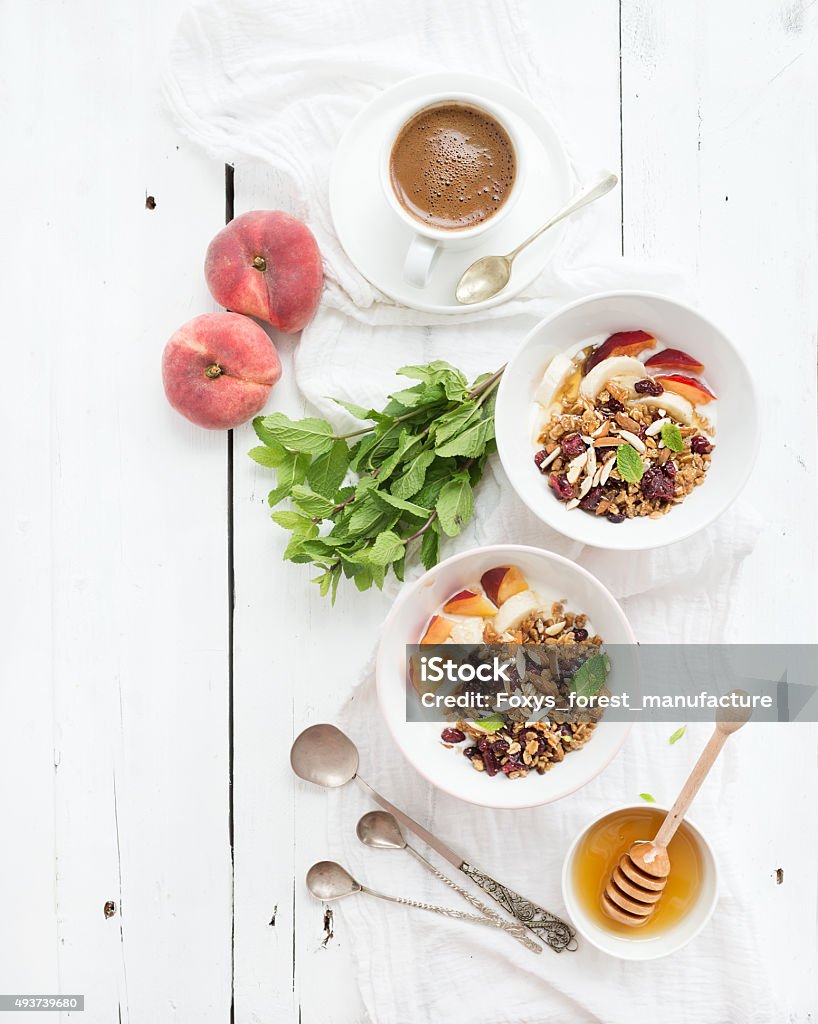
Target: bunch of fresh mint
357	510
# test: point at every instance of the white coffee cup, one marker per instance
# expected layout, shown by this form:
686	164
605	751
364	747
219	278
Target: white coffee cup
429	241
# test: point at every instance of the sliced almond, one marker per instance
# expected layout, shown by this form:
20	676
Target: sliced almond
607	469
572	503
656	426
603	430
607	442
547	461
637	442
586	486
625	421
558	627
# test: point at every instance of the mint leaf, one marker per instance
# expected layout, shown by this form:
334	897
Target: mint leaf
677	735
268	456
302	526
412	479
672	437
313	504
455	505
430	546
402	505
472	442
326	474
648	798
629	464
309	435
491	724
590	677
290	472
388	547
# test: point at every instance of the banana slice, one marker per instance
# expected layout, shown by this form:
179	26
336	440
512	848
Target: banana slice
554	377
609	369
468	631
515	609
678	407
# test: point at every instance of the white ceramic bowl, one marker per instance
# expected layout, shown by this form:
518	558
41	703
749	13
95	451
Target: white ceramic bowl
652	947
676	326
420	741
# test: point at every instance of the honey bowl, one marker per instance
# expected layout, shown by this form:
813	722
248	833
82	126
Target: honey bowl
686	905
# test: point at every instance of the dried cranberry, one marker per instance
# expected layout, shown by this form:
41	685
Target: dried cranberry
657	483
563	490
572	445
580	635
491	762
648	387
614	517
565	730
700	445
612	407
513	765
452	736
670	469
591	501
499	748
471	752
539	459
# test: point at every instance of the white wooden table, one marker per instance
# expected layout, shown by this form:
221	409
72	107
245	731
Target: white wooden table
145	720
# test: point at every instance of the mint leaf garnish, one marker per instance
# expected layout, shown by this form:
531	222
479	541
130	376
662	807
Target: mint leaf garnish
677	735
672	437
590	677
629	464
648	798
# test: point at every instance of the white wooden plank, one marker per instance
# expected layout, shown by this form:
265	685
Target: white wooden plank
280	621
115	697
719	112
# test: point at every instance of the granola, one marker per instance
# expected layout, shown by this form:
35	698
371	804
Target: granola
618	441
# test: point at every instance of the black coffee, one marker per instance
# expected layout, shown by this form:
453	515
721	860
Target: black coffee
452	166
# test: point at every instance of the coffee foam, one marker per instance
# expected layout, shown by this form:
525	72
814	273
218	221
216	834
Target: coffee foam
452	166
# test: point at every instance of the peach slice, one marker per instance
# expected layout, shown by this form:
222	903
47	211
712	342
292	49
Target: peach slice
503	582
688	387
469	603
623	343
438	630
674	359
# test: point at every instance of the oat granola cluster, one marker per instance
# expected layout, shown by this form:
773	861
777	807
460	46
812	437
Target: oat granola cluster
579	455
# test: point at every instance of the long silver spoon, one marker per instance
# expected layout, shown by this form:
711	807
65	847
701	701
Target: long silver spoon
327	757
328	880
380	831
490	274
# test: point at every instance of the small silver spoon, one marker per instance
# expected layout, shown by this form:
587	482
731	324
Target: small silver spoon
380	831
490	274
327	881
325	756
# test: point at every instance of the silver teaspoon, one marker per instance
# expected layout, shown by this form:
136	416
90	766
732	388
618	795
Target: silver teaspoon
490	274
327	881
327	757
381	831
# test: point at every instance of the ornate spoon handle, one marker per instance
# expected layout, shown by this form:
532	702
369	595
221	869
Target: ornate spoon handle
418	905
513	929
546	926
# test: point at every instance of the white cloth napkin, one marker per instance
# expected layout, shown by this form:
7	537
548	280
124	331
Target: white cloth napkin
280	82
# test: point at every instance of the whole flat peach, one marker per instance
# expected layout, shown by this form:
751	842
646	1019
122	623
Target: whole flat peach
266	264
218	370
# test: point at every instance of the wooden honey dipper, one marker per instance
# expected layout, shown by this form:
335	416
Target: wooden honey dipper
639	879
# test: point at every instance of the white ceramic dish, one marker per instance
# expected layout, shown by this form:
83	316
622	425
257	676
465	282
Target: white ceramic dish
420	741
376	239
676	326
656	946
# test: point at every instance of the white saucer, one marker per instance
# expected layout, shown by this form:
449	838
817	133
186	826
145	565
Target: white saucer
376	240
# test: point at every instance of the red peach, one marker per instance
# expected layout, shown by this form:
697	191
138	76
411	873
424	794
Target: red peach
218	370
503	582
466	602
624	343
438	630
690	388
266	264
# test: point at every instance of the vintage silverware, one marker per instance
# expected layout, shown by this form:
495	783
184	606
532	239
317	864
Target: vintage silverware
325	756
327	880
380	831
490	274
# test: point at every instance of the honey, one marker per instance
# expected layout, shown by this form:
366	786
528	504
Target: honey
598	854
